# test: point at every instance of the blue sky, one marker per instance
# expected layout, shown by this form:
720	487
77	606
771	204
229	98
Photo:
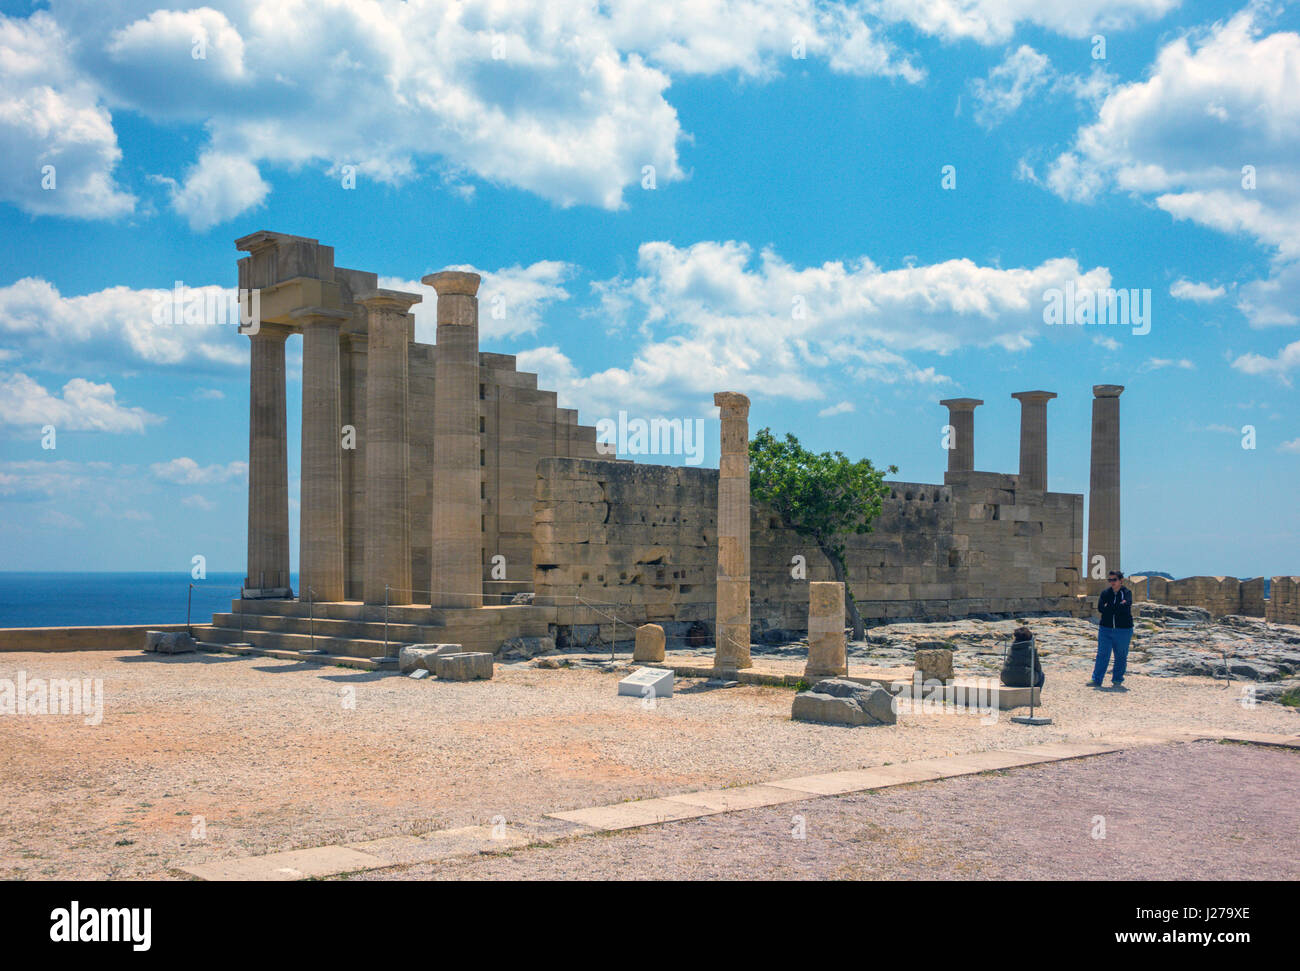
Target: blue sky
798	243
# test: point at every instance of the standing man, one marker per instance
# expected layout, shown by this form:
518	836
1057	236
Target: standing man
1115	630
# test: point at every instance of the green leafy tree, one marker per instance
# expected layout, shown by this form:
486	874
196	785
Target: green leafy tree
822	497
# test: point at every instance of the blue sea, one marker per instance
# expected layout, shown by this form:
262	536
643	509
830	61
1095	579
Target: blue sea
94	599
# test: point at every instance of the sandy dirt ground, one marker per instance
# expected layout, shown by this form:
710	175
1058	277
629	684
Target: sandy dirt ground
205	756
1198	811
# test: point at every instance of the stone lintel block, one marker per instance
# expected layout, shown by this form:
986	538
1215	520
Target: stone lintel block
463	667
414	657
169	642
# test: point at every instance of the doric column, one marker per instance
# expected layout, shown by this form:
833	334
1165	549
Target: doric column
732	650
455	559
268	466
1033	438
961	447
320	508
388	536
1103	485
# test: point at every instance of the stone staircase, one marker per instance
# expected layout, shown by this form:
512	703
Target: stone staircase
354	629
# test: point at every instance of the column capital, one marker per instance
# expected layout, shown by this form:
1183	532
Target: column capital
268	331
732	403
391	300
1027	396
305	316
1107	390
961	404
449	282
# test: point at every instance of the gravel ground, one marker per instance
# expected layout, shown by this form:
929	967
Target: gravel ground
273	757
1200	811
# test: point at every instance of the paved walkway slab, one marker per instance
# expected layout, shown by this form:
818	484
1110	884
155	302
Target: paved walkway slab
627	815
320	861
741	797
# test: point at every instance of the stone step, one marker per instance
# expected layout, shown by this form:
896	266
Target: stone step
407	633
357	634
278	641
342	610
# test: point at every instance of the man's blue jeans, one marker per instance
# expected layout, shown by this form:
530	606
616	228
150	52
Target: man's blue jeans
1112	639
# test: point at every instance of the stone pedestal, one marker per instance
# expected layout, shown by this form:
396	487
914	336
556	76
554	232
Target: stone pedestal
1103	486
456	554
732	641
320	524
649	643
268	467
827	649
1033	438
388	537
961	416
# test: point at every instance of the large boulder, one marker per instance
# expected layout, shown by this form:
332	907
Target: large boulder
838	701
649	643
169	642
523	648
414	657
463	667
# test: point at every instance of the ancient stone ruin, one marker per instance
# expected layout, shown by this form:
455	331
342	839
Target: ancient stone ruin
441	486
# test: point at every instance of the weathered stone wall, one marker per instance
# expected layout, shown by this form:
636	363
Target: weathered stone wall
640	541
616	545
1283	605
975	545
1219	595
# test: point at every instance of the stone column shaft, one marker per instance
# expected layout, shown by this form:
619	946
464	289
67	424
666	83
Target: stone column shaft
1103	485
961	416
1033	438
732	650
268	465
388	536
455	558
827	648
320	523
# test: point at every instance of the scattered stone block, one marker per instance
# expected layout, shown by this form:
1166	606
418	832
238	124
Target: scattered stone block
169	642
414	657
935	664
462	667
649	643
837	701
647	683
524	648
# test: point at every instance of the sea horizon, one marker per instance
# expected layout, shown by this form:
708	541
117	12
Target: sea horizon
92	598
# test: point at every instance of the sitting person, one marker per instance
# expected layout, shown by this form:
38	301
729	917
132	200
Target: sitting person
1020	659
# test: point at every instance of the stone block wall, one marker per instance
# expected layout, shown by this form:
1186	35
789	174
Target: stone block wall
1283	605
641	541
1217	594
617	544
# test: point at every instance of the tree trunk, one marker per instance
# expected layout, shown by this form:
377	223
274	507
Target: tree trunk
850	605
